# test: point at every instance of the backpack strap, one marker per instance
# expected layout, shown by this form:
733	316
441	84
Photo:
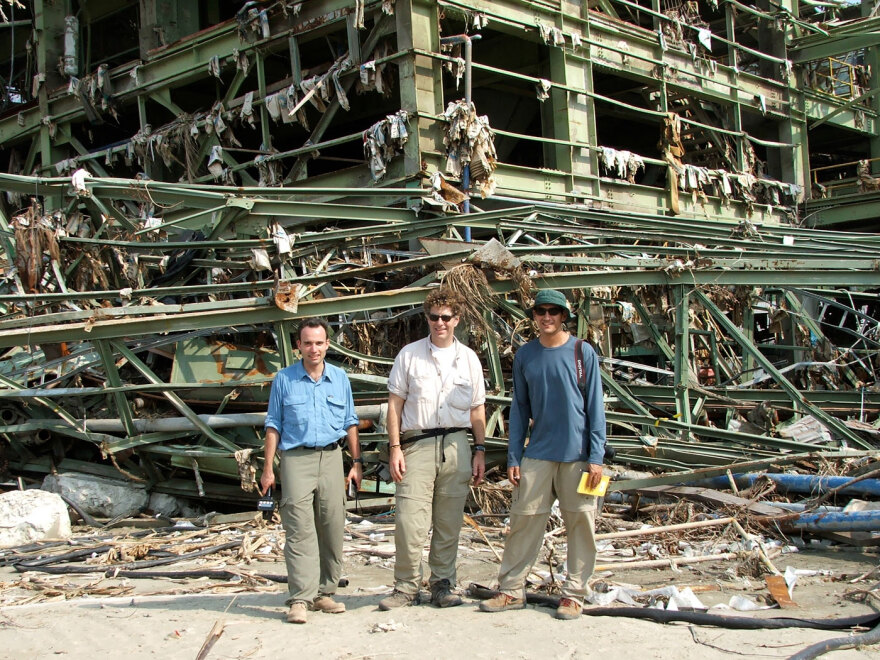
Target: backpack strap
581	372
579	369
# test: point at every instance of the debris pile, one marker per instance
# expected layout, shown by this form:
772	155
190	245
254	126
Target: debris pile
142	323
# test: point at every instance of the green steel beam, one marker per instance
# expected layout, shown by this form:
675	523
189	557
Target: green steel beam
779	378
112	373
267	313
47	403
689	476
833	46
493	356
283	335
813	326
683	376
657	336
173	398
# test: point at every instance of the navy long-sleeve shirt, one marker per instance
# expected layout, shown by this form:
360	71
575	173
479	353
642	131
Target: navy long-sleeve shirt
545	389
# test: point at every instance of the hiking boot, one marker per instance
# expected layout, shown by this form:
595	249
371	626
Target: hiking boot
328	605
398	599
442	595
569	609
502	602
297	612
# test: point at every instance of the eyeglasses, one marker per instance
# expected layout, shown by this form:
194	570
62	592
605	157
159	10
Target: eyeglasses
553	311
446	318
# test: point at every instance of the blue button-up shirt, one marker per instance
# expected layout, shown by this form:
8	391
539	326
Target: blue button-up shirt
307	413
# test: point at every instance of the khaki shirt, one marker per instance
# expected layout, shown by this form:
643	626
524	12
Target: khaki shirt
429	402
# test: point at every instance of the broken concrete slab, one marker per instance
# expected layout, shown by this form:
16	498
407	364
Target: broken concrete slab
99	496
27	516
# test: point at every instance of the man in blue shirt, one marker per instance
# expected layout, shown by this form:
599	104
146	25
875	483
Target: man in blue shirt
567	438
311	409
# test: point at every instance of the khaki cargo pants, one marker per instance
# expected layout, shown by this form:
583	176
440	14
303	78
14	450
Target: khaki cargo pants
542	482
313	517
433	492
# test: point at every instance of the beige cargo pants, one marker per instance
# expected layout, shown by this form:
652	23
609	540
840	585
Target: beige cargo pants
542	482
313	517
433	492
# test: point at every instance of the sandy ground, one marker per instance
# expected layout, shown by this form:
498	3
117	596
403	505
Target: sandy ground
156	620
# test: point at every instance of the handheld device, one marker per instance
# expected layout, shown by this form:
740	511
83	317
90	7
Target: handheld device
266	504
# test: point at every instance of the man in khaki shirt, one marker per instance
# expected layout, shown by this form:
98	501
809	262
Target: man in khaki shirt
436	393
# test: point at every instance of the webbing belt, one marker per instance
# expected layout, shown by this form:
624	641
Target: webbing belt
431	433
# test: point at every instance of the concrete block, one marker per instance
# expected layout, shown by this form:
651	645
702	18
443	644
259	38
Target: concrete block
27	516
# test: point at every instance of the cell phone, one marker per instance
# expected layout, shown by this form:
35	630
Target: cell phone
351	488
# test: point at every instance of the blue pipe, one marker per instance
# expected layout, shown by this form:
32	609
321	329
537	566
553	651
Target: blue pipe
851	521
802	506
798	483
466	204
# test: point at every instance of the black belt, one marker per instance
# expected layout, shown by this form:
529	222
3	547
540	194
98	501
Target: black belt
330	447
431	433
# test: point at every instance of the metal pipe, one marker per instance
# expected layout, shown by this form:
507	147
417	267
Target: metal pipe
802	506
798	483
9	415
844	521
174	424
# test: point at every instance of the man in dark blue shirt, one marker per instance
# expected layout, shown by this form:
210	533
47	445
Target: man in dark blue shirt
567	439
311	409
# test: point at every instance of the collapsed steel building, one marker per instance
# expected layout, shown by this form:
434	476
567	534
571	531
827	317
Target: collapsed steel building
183	181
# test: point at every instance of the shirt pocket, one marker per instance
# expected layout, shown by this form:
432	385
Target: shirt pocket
297	409
424	388
336	413
461	396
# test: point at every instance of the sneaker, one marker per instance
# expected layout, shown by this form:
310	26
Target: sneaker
328	605
502	602
442	595
569	609
398	599
297	612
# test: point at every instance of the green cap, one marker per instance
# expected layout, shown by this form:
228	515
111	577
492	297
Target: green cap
552	297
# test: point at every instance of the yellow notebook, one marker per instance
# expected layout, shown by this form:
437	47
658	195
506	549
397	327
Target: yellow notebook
599	490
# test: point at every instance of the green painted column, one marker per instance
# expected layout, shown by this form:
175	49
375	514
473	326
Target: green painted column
795	162
49	44
571	117
872	60
578	111
420	79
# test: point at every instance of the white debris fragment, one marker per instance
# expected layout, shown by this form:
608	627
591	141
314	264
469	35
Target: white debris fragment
390	626
78	180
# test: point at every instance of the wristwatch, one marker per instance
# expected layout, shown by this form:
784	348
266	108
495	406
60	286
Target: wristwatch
358	460
479	447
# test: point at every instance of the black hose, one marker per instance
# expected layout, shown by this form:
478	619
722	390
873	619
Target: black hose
38	565
214	574
67	556
86	518
854	642
699	618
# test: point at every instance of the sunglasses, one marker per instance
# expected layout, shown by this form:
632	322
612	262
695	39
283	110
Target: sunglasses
553	311
446	318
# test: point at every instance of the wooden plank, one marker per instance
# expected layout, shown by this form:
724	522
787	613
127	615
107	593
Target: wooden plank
714	497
